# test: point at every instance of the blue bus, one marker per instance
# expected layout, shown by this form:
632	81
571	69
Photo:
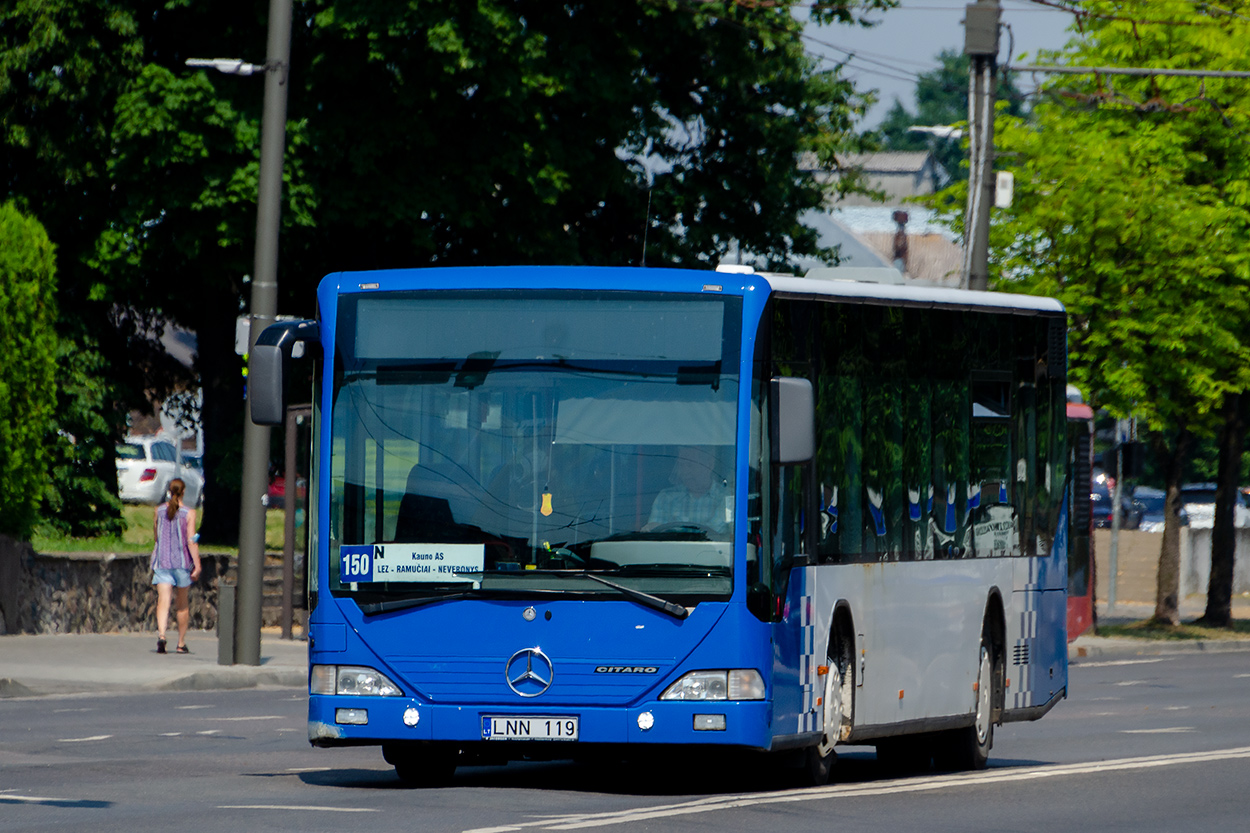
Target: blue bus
563	512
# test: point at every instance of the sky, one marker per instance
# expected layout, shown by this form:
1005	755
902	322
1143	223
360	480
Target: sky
905	43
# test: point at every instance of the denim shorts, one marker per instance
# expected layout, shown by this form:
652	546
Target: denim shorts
178	577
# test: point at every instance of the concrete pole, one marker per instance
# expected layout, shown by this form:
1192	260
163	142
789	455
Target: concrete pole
981	21
264	306
1113	551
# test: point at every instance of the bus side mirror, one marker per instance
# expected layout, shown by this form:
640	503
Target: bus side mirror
793	421
267	363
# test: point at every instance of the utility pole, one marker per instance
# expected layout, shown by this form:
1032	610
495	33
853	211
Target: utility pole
981	20
264	308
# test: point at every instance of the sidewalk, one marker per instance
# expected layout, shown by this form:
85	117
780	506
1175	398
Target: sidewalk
41	664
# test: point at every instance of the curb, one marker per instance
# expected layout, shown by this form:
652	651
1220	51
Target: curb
1090	647
227	678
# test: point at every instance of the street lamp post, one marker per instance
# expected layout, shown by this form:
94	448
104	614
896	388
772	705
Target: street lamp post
264	303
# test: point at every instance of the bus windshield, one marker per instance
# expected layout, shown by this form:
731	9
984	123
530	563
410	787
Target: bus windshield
503	443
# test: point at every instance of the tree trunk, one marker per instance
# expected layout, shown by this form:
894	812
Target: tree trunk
1219	612
1167	593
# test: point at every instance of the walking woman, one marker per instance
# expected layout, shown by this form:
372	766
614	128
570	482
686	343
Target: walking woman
175	564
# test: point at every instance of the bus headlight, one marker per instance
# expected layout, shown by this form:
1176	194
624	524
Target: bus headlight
731	684
351	679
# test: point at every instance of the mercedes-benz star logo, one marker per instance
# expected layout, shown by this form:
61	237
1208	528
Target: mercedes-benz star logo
529	672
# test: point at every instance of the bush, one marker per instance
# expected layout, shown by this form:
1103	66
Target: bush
27	366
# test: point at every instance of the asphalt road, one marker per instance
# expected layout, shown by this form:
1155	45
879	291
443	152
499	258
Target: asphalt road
1143	744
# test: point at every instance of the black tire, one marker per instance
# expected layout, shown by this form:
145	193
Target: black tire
837	701
969	748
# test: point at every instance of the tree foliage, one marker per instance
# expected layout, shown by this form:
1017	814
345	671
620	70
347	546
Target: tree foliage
433	132
1131	206
28	369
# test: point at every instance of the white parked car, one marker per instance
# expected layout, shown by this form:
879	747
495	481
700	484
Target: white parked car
145	465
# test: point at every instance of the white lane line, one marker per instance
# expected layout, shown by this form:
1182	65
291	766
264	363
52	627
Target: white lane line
170	734
1109	663
235	719
308	807
1171	730
1241	676
308	769
1176	708
707	805
209	732
63	711
193	707
84	740
10	797
1131	682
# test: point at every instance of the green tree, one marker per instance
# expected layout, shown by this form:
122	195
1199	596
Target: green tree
28	371
1131	207
435	132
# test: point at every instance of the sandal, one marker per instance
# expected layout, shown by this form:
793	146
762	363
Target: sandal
183	649
160	646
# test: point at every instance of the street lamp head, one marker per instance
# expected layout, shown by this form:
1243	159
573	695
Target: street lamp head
943	131
230	66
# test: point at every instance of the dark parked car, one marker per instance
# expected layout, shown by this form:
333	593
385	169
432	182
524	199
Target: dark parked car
1152	501
1100	499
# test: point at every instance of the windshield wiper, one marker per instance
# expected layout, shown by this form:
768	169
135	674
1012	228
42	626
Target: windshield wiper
653	602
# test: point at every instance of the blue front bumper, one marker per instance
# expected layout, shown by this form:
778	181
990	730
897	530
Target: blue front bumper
747	724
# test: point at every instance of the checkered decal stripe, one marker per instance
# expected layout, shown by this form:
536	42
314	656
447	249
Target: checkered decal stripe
809	715
1021	675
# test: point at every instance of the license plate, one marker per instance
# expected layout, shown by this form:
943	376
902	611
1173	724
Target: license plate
515	727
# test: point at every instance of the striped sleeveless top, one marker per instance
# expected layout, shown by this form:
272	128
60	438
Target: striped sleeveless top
172	550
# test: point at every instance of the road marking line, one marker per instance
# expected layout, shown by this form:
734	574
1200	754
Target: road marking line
1241	676
1131	682
209	732
193	707
1176	708
1109	663
8	797
308	769
308	807
256	717
707	805
84	740
1168	731
170	734
63	711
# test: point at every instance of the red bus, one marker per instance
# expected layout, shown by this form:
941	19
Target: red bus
1080	520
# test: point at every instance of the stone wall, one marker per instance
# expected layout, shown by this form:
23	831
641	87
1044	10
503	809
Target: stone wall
92	592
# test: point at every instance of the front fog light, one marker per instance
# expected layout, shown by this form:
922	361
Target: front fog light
646	720
709	722
411	716
352	717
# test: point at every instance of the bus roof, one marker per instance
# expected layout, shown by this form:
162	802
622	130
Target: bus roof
911	295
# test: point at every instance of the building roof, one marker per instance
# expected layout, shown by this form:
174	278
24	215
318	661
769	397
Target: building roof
885	162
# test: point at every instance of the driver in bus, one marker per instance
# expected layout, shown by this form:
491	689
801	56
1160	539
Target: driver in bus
697	497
